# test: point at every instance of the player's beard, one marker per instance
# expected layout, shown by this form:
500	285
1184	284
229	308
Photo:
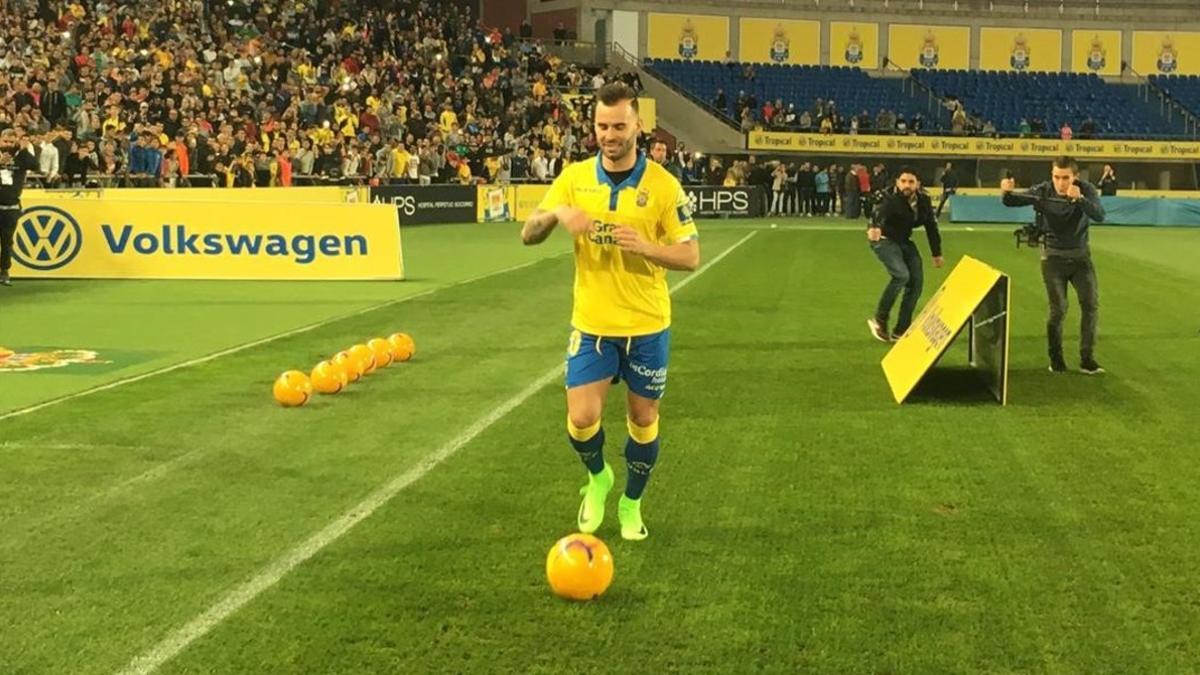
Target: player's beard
621	152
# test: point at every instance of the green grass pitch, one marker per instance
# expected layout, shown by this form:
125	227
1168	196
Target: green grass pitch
800	521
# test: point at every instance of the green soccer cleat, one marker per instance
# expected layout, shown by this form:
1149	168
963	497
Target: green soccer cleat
591	509
629	512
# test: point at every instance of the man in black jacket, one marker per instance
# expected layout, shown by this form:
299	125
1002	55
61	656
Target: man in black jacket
16	159
901	210
1065	206
949	187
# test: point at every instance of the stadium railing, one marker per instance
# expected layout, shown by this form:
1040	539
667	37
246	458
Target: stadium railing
1168	106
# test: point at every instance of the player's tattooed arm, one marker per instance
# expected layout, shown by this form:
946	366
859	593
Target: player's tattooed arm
539	225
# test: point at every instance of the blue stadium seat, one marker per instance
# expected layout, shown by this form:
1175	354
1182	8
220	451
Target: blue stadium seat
852	89
1006	98
1185	89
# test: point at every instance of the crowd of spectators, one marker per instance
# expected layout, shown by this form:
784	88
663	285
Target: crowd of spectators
250	93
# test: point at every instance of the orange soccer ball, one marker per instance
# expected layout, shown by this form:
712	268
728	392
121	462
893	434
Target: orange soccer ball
349	365
382	350
292	389
365	357
403	346
579	567
328	378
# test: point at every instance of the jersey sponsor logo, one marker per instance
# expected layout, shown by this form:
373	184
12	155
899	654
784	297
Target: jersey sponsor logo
602	233
656	374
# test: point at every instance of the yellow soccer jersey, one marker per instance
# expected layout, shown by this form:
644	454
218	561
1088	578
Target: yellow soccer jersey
622	294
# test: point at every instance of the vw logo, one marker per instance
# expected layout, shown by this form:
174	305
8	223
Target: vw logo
47	238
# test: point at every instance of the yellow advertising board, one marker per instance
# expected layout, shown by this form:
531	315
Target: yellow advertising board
1096	51
528	197
1021	49
1166	52
506	203
687	36
495	203
912	46
973	292
779	41
63	237
854	44
967	146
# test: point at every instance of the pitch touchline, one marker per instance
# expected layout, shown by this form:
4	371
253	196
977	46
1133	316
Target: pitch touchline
270	575
1002	229
256	343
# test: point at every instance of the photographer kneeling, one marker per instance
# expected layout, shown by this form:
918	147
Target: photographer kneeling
1065	206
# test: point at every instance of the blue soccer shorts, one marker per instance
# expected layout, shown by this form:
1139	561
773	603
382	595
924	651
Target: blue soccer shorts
641	361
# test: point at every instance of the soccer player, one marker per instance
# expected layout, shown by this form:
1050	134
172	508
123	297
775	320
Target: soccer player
897	214
1065	206
630	222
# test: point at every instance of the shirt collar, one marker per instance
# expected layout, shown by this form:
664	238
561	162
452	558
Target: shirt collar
639	168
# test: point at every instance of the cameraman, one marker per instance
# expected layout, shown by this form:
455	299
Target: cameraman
1065	206
16	159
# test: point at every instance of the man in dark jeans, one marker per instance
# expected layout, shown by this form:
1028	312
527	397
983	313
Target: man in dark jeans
1065	206
805	181
901	210
949	187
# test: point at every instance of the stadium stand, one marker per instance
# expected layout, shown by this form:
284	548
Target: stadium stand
1184	89
238	93
852	91
1045	101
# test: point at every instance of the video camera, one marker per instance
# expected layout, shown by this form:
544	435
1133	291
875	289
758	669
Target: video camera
1030	235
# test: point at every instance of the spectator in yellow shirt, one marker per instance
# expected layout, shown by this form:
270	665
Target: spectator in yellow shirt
400	157
448	120
550	134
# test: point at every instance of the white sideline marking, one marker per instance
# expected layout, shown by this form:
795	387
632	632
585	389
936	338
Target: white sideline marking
34	445
264	579
256	343
849	227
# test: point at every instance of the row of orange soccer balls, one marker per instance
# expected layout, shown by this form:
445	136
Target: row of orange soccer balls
294	388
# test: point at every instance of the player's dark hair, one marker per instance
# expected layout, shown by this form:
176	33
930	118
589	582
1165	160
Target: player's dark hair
909	169
656	141
1066	162
615	92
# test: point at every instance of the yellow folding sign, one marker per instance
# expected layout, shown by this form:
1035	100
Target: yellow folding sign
974	295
